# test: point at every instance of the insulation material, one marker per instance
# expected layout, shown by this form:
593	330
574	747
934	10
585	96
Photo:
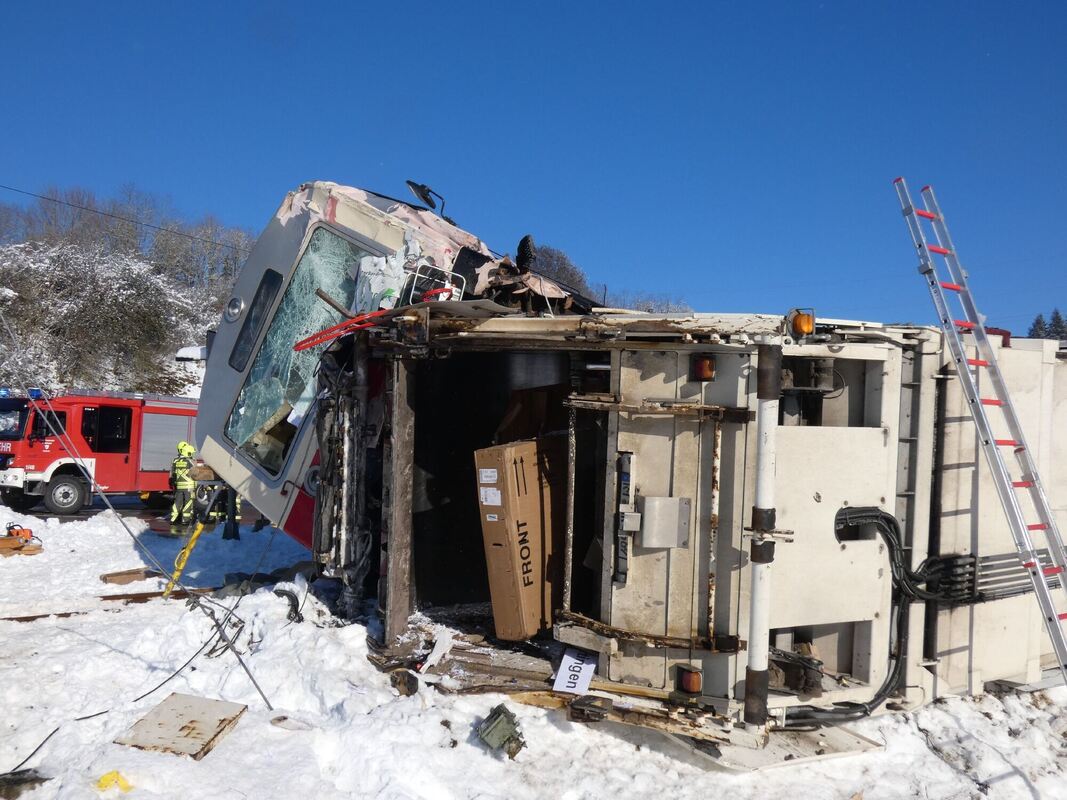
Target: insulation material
381	278
440	241
294	205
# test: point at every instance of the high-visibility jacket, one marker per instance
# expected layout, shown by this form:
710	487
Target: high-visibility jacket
179	471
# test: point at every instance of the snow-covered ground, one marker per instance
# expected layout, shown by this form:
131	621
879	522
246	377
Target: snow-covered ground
359	738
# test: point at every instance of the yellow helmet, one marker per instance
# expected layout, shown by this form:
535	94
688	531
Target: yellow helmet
185	449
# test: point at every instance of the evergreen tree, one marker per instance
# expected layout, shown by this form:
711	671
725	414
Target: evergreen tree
1039	329
1057	327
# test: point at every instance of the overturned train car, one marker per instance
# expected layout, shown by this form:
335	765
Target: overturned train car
765	519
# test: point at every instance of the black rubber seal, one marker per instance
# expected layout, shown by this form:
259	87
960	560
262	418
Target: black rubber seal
756	687
769	372
762	552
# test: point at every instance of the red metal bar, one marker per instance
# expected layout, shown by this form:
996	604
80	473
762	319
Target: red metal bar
926	214
1062	616
986	401
977	362
952	287
1037	526
435	292
357	323
1022	484
1006	442
962	323
933	248
1050	571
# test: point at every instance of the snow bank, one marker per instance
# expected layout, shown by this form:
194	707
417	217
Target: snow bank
363	740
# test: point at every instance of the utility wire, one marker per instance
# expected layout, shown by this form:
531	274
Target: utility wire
159	228
196	600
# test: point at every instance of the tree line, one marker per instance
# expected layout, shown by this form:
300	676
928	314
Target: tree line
101	293
1055	328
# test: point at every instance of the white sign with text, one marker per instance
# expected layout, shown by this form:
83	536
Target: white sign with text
575	671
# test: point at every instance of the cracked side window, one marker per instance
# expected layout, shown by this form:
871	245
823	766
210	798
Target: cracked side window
280	388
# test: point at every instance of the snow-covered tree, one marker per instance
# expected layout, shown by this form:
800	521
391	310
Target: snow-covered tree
84	317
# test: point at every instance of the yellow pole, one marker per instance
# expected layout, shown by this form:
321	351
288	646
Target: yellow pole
183	556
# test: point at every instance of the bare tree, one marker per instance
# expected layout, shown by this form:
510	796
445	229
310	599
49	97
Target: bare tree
652	302
557	265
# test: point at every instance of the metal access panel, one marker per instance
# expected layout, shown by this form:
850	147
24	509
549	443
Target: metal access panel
1003	639
673	571
160	433
664	521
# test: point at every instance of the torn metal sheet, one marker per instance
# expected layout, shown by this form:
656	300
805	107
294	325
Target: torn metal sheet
184	724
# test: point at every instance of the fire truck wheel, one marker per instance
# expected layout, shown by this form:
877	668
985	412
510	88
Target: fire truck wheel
17	500
65	495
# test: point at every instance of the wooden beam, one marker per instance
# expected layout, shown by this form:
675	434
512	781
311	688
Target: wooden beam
399	466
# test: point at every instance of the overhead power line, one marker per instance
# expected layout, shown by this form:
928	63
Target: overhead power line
159	228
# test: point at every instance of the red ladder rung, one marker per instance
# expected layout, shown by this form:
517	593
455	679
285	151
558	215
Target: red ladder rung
1062	616
977	362
1006	442
952	287
987	401
933	248
962	323
1037	526
1050	571
926	214
1022	484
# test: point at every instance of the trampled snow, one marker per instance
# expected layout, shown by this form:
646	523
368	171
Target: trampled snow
353	735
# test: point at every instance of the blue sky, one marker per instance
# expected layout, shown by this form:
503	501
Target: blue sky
739	155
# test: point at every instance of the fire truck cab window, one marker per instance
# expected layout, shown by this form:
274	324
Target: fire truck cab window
42	428
12	418
107	429
279	387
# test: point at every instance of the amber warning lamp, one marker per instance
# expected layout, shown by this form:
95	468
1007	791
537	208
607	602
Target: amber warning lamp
701	367
801	322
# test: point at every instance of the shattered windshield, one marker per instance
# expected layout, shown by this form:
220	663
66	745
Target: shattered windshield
12	418
279	388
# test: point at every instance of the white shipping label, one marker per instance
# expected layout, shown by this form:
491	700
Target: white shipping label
491	518
575	671
490	495
487	476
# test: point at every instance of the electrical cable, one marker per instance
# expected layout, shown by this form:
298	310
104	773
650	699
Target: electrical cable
195	600
906	582
159	228
199	651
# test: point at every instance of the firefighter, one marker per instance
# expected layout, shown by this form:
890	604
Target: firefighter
181	481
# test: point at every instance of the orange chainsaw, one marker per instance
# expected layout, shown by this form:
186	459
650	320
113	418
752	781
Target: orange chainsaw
24	535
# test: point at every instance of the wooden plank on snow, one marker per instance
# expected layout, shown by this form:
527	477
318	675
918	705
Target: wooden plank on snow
184	724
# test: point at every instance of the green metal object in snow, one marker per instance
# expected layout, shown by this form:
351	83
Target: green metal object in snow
500	730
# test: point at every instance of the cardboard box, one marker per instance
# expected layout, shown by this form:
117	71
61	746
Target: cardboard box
521	498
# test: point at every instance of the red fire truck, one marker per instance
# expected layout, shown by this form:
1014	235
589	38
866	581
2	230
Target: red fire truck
125	441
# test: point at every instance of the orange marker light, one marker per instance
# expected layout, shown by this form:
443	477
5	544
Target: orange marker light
690	678
702	368
803	324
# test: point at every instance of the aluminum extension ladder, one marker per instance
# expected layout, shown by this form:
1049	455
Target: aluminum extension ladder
967	368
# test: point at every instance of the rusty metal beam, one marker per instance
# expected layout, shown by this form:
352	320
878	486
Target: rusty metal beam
652	640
